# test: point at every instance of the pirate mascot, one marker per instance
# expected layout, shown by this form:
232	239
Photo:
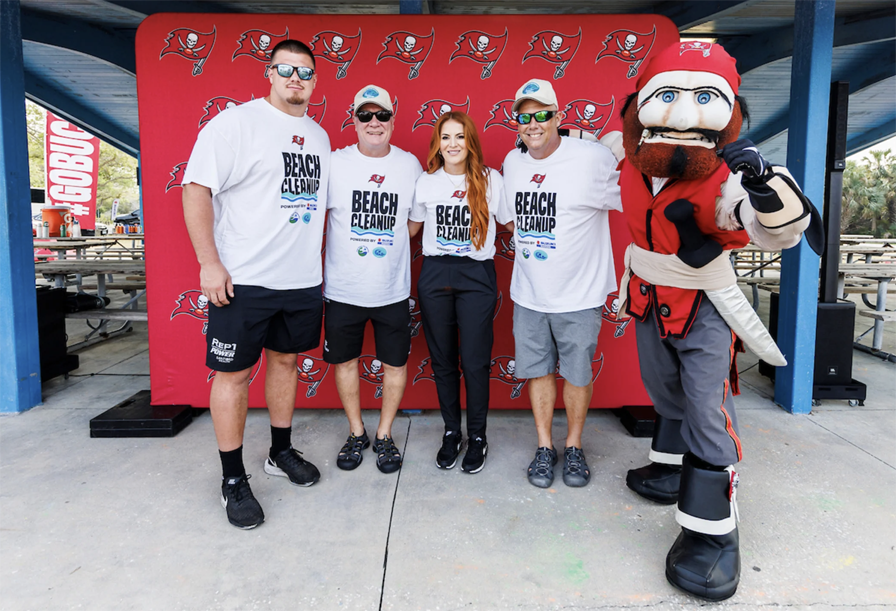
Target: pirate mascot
691	192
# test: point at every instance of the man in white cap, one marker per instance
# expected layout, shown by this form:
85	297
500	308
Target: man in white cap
367	271
560	191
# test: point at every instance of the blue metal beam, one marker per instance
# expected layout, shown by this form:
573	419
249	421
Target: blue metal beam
764	48
114	49
860	74
20	371
410	7
810	83
691	14
84	117
860	142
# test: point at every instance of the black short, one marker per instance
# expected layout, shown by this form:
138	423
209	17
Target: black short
284	321
344	327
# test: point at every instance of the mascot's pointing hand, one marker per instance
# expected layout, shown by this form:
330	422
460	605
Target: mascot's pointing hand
743	156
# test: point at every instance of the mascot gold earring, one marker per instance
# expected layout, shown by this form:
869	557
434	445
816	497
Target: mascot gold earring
691	192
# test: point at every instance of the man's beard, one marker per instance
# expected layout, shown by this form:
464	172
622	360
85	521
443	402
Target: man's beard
662	160
295	99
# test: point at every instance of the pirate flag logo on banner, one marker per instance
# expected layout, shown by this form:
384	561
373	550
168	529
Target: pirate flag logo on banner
336	48
425	372
316	111
308	370
587	115
409	48
554	47
482	48
191	45
415	322
610	313
503	116
258	45
628	46
503	369
505	246
431	110
194	304
216	106
372	372
177	176
351	113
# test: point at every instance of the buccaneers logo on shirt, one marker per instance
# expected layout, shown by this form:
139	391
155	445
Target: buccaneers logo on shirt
431	110
258	45
300	140
190	44
482	48
408	48
630	47
538	179
177	176
378	180
459	194
337	48
587	115
216	106
554	47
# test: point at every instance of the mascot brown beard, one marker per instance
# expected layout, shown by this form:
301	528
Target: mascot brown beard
691	192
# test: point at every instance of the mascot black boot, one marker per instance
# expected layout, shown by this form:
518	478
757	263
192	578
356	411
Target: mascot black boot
659	480
705	559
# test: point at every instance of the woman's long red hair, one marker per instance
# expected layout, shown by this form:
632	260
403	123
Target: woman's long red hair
477	179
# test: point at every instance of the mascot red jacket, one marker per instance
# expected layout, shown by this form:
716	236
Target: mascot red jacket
691	192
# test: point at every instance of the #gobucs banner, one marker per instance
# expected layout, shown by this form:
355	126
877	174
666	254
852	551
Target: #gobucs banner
72	159
190	44
337	48
554	47
429	65
482	48
628	46
408	48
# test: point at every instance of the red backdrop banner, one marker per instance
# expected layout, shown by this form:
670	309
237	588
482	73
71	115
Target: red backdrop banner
72	158
192	67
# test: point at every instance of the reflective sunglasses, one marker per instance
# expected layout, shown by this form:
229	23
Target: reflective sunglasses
285	70
540	117
365	116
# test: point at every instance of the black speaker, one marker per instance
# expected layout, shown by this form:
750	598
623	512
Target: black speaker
835	325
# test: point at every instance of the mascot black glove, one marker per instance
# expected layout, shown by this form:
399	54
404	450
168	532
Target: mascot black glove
743	156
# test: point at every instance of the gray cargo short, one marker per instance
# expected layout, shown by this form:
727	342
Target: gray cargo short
543	340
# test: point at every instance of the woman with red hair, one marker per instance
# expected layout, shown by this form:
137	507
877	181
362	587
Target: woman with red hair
456	202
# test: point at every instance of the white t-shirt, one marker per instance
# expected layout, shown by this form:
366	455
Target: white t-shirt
564	259
368	257
441	204
268	174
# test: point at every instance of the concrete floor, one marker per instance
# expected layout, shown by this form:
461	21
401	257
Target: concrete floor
137	524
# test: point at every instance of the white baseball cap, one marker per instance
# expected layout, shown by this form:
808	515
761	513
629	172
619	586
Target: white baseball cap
371	94
538	90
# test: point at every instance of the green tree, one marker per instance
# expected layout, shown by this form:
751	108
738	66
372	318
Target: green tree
869	196
116	176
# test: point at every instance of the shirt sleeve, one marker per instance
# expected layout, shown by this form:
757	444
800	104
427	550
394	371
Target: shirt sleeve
612	196
211	161
503	214
418	209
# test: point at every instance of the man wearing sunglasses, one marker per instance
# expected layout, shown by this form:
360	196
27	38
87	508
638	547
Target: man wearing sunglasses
255	196
367	272
560	191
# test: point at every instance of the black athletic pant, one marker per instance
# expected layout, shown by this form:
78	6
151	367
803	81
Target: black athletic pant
457	301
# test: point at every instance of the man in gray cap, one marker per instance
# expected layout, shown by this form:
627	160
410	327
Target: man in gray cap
560	191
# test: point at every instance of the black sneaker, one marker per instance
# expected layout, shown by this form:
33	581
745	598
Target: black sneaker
474	459
350	455
388	458
289	463
575	470
243	511
541	469
448	453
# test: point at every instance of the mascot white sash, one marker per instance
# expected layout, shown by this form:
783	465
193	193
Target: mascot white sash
717	280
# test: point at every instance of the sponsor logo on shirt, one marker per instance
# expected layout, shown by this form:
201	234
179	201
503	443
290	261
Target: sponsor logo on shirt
362	251
379	252
526	253
541	255
293	218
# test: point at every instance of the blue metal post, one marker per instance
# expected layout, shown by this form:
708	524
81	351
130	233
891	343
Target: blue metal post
20	360
810	84
410	7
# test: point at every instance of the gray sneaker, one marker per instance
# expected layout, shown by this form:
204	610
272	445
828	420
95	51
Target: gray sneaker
575	470
541	469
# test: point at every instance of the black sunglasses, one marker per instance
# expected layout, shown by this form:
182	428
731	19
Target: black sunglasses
365	116
540	117
285	70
